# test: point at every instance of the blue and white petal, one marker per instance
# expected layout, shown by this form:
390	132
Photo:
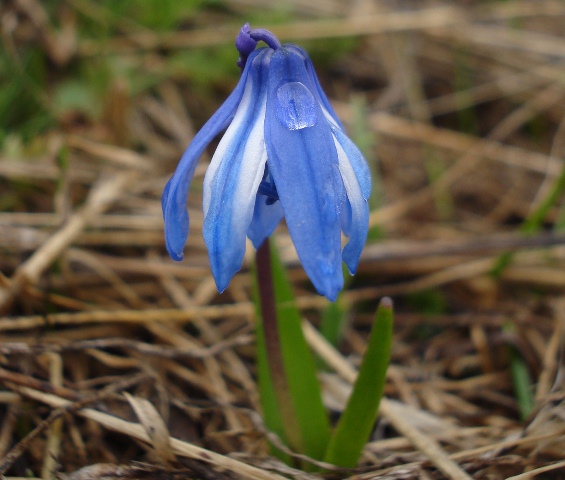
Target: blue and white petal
303	162
322	98
357	160
265	219
175	194
234	175
357	180
355	156
358	208
346	218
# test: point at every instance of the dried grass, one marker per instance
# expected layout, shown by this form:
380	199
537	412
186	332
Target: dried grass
117	363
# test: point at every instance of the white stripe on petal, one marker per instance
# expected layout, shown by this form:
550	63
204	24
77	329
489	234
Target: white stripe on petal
222	151
250	174
359	211
232	181
355	158
329	117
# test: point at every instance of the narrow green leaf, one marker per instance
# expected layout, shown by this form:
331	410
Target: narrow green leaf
300	367
300	372
271	413
535	220
521	379
522	384
334	315
358	418
332	322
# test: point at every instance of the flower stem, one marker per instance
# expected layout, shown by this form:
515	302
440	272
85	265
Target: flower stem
273	346
267	37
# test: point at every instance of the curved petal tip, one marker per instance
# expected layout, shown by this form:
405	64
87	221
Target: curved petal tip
175	216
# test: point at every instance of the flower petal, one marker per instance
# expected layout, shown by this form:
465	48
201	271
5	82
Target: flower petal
234	175
359	211
357	160
265	220
323	99
346	218
304	165
174	196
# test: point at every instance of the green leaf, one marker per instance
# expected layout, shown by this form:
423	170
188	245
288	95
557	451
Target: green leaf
331	324
271	413
310	420
358	418
534	222
334	315
521	379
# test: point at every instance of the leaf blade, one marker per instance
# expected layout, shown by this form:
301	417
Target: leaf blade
300	371
356	421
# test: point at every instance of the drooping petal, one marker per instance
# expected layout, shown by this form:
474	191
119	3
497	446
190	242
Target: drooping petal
357	160
304	165
174	196
355	156
265	220
322	97
359	211
234	175
346	218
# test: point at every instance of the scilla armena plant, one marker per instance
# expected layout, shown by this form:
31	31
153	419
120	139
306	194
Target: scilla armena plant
285	154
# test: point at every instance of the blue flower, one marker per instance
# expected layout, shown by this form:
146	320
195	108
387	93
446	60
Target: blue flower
284	154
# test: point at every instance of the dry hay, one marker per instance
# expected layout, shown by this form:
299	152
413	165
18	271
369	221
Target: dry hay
117	363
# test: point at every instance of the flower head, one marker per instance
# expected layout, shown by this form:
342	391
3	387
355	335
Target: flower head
284	154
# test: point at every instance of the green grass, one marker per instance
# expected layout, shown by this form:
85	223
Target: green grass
36	93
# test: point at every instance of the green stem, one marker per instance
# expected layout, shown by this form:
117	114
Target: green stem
273	346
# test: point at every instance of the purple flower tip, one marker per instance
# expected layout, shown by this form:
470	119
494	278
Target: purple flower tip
243	42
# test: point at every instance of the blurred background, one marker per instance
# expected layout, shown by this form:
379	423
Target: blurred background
459	107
